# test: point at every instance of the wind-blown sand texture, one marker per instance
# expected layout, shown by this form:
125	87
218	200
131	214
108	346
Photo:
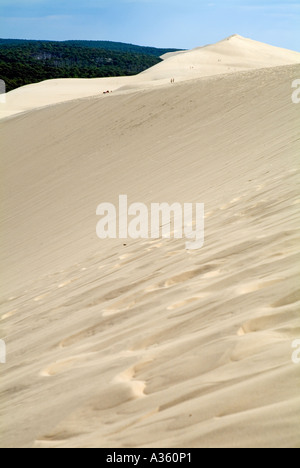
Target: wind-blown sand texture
148	344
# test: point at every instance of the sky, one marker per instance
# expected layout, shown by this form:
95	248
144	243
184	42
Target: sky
182	24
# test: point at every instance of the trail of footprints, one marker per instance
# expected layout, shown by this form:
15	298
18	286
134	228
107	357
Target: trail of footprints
129	302
197	283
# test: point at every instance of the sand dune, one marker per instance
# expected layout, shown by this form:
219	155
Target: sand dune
148	344
233	54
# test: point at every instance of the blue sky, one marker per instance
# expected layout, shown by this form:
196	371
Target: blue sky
160	23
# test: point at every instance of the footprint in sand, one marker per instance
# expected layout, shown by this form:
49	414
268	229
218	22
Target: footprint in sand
272	322
232	202
207	271
41	297
12	298
185	302
136	386
235	200
175	252
292	298
125	256
208	214
9	314
80	336
113	310
152	242
154	246
126	304
291	171
224	207
255	286
127	377
61	366
53	440
86	333
66	283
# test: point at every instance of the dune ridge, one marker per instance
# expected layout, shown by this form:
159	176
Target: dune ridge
230	55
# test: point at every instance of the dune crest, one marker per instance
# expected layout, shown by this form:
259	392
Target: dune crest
230	55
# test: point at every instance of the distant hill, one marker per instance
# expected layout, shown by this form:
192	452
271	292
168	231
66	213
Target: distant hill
120	47
26	61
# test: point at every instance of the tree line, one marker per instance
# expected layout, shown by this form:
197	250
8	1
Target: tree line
24	62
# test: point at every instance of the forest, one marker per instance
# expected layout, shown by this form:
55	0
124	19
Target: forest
24	62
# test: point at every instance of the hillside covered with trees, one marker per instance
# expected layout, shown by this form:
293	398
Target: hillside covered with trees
23	62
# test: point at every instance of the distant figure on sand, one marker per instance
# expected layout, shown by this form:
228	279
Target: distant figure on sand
172	80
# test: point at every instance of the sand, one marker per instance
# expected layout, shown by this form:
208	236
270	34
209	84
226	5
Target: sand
148	344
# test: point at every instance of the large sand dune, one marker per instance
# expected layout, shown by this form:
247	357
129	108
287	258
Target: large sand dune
149	344
233	54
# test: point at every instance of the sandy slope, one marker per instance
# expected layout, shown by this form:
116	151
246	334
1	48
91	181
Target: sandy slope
148	344
233	54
